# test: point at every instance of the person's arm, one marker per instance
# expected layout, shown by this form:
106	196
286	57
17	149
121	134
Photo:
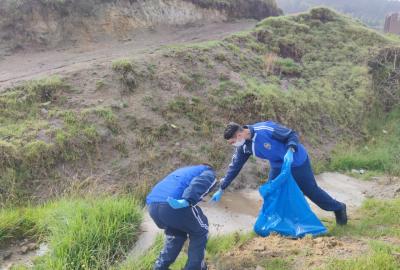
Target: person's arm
199	187
239	158
285	135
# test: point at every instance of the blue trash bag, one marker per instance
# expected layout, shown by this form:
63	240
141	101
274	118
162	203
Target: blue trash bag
285	210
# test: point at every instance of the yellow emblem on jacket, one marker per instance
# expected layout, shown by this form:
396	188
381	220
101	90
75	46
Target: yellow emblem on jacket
267	146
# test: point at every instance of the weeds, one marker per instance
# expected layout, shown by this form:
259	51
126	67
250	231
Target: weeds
82	233
380	153
126	69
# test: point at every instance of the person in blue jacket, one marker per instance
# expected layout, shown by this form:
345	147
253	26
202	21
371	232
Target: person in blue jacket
272	141
172	204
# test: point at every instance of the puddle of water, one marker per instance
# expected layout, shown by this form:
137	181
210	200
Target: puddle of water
237	211
43	249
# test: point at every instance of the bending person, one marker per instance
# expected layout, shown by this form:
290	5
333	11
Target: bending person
271	141
172	205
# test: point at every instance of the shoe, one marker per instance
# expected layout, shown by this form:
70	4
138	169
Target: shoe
341	216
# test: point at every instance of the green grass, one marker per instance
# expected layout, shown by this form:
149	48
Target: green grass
146	261
379	154
216	245
219	244
380	257
37	133
128	73
321	57
276	264
375	219
82	233
123	66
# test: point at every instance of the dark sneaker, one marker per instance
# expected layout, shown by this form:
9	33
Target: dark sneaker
341	216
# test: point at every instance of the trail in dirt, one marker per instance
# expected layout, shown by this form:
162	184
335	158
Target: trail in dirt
238	210
28	65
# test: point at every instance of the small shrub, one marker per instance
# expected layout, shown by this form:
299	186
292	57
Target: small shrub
127	73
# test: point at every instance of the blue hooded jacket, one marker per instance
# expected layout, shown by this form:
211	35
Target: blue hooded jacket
190	183
269	141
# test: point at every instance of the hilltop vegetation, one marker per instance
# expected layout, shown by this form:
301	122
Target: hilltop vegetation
370	12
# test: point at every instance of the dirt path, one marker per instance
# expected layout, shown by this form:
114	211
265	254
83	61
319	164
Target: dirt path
237	211
28	65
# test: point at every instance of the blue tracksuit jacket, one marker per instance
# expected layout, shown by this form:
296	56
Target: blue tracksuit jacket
269	141
190	183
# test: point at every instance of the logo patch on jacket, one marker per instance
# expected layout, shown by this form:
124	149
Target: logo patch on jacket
267	146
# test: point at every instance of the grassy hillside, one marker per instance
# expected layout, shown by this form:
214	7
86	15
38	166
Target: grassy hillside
120	129
370	12
314	72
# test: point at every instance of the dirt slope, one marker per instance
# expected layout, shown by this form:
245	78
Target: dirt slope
39	24
100	54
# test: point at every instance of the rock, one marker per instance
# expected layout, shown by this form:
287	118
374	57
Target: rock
332	243
24	250
361	171
117	105
28	247
45	104
104	133
260	268
319	240
44	111
32	246
23	242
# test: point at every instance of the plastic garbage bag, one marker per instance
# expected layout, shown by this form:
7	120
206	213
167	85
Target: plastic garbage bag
285	210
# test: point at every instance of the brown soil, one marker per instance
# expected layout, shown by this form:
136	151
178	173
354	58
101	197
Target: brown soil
306	253
27	65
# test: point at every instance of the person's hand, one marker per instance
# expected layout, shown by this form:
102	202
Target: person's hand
288	156
177	204
217	196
